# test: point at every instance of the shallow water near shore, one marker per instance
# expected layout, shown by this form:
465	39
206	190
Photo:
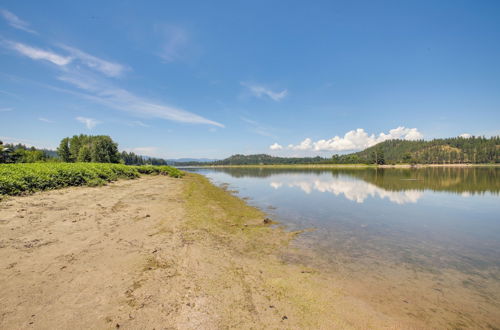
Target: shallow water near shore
420	243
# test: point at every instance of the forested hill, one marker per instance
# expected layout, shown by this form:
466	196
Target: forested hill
458	150
438	151
267	159
259	159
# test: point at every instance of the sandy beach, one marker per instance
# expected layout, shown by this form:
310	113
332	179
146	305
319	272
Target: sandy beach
162	253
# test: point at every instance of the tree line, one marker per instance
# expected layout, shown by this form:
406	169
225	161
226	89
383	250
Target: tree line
459	150
19	153
100	149
263	159
78	148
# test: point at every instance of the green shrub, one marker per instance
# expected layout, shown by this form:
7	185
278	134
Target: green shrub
161	170
16	179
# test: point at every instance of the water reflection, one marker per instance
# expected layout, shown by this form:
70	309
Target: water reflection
428	237
353	190
468	180
430	217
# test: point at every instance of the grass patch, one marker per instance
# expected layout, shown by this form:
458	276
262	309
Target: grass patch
227	224
228	219
17	179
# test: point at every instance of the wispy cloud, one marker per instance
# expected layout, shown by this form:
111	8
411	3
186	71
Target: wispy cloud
355	140
75	55
138	123
258	128
176	41
6	109
11	94
104	93
109	69
45	120
90	123
101	90
37	53
260	91
15	21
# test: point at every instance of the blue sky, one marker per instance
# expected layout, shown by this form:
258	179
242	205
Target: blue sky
210	79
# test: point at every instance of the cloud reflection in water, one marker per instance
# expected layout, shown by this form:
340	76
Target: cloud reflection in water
353	190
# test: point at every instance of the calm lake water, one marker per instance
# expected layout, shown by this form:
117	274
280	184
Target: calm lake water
421	242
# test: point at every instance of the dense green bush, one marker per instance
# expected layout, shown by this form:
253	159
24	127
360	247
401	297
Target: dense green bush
88	148
16	179
163	170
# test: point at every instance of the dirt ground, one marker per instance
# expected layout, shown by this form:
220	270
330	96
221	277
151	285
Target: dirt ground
159	253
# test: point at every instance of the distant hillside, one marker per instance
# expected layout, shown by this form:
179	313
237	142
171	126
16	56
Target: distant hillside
267	159
438	151
458	150
189	160
260	159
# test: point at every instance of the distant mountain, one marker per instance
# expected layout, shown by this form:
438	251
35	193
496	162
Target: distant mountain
190	160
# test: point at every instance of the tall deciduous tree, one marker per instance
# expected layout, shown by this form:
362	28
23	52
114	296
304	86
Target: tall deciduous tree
63	150
87	148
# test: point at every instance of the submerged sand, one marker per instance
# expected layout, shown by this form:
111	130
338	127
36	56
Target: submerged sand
163	253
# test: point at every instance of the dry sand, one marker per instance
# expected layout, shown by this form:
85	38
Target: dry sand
160	253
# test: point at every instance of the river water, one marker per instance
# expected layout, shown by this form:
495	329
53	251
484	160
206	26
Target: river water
419	242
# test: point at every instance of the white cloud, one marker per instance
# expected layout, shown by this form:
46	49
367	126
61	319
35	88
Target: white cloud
37	53
110	69
260	91
120	99
90	123
45	120
307	144
15	21
275	146
465	135
357	140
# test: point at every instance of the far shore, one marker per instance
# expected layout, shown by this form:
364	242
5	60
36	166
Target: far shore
357	166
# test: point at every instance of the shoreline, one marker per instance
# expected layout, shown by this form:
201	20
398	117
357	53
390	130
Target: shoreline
151	252
160	252
342	166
